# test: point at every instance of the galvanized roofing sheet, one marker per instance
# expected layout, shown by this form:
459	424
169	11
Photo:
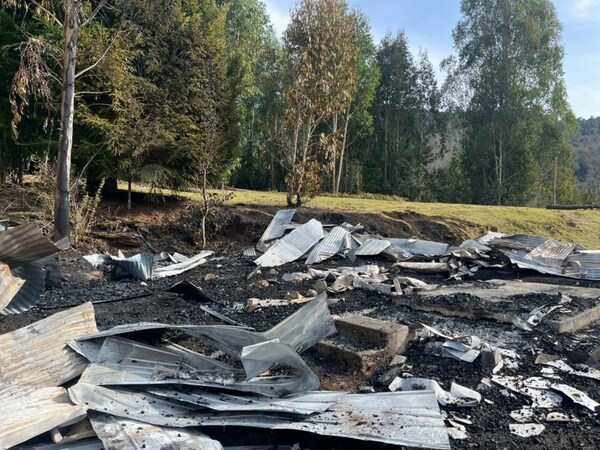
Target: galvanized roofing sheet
518	242
139	266
293	246
409	419
372	247
304	404
182	266
28	411
489	236
329	246
276	228
420	247
29	294
9	286
38	355
25	244
551	253
125	434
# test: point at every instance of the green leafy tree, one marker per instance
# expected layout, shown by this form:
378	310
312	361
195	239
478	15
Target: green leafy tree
517	119
321	46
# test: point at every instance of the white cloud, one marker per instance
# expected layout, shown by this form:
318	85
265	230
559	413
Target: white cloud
584	10
280	15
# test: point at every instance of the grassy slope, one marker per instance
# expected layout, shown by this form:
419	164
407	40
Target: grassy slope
582	227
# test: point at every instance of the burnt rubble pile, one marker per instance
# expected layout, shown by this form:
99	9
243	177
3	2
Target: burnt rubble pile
66	384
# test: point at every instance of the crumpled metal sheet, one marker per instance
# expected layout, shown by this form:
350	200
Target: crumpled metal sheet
182	266
459	396
26	244
126	434
424	267
29	294
9	286
37	355
276	228
303	404
551	253
371	247
490	236
518	258
329	246
124	362
28	411
139	266
518	242
409	419
420	247
293	246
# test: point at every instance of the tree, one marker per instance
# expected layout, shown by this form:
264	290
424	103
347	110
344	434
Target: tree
72	16
517	118
358	121
321	46
406	113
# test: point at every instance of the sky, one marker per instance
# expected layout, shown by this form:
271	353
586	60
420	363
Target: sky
428	24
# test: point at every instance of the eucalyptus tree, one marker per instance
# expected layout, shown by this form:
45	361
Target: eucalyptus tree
34	77
517	117
321	47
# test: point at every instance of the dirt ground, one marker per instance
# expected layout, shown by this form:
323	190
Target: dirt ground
173	226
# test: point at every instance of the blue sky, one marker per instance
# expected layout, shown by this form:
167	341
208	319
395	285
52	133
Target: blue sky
429	23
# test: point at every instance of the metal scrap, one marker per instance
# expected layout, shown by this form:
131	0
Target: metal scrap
9	286
26	244
293	246
458	396
126	434
276	228
37	355
329	246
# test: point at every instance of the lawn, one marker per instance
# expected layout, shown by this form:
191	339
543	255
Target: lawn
582	227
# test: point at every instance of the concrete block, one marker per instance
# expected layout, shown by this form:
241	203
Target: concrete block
348	357
390	336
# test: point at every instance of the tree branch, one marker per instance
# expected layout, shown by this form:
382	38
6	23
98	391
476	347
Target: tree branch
47	11
87	69
95	12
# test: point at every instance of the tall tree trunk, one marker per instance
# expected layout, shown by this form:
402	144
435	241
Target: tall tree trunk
65	141
343	150
129	192
333	167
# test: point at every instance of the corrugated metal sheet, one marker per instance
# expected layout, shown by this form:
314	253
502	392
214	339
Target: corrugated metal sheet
304	404
138	266
249	252
372	247
489	236
9	286
589	259
181	267
518	242
420	247
293	246
399	418
276	228
23	245
551	253
29	294
27	412
126	434
518	258
329	246
86	444
38	355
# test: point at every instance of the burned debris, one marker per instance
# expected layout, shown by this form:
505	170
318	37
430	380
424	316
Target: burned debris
350	335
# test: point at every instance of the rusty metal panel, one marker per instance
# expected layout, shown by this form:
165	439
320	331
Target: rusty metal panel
276	228
9	286
29	294
25	244
27	412
38	355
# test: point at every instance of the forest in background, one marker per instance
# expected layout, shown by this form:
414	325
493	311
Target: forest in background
190	93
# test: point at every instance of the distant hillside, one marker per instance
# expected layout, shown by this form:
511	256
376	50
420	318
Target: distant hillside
586	149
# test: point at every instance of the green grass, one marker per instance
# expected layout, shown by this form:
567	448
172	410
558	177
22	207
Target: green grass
582	227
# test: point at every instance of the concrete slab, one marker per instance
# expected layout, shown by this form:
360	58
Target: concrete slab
503	300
